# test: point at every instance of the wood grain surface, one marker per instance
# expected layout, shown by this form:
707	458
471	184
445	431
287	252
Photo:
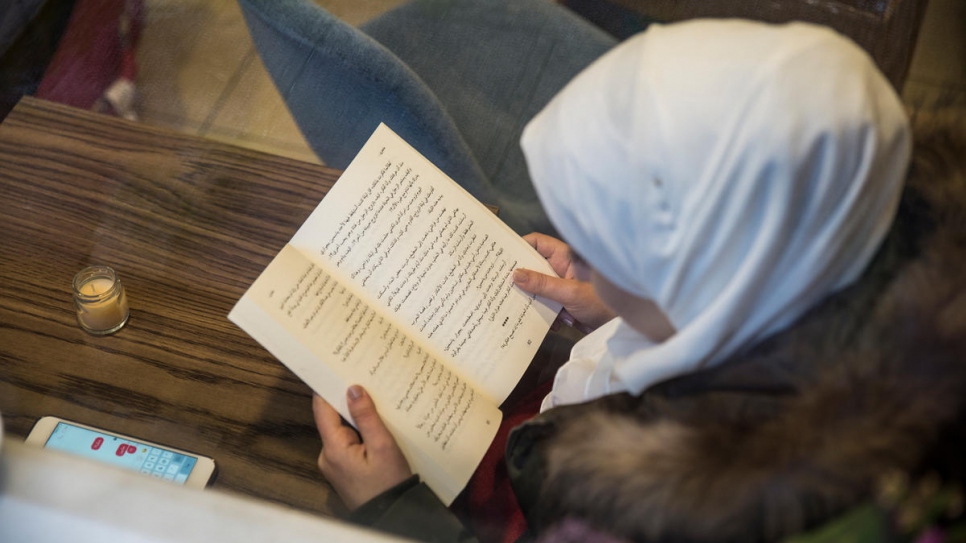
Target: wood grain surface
188	224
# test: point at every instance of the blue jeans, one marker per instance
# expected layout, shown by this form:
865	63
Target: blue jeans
457	79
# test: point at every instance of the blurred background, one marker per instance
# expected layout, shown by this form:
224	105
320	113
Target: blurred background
197	71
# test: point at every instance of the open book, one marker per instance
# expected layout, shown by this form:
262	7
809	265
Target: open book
400	281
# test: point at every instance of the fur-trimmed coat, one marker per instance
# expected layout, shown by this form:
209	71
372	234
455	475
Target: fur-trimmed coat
783	437
800	427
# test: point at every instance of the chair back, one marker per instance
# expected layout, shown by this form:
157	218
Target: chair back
887	29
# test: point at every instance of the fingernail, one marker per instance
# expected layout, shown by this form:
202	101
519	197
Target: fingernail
520	276
566	318
355	392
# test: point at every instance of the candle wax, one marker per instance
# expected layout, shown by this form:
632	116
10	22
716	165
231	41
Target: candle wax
102	314
96	286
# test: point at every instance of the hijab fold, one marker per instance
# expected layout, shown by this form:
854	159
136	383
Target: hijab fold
734	172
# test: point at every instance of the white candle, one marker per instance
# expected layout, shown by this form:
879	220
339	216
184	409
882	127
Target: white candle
100	300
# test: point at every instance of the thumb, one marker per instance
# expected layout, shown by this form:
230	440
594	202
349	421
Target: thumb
554	288
368	422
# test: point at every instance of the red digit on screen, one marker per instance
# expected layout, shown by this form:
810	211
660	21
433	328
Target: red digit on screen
97	443
131	449
121	449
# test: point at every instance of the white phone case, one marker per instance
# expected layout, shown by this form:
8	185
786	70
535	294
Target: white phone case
200	476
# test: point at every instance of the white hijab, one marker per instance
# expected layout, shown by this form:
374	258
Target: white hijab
734	172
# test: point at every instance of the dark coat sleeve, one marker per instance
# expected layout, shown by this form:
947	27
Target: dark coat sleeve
412	510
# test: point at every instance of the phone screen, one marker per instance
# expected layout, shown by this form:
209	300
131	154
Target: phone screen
133	455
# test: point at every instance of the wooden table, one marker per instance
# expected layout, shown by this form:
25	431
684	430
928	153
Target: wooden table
188	224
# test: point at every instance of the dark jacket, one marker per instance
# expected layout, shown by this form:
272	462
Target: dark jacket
785	436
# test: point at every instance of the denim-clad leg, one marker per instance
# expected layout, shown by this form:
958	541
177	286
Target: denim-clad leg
457	79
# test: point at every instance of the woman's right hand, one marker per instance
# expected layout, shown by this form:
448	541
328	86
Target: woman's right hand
583	309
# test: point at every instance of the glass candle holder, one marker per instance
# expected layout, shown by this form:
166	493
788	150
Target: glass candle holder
100	300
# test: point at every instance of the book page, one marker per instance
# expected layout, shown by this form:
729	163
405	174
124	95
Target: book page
330	338
420	246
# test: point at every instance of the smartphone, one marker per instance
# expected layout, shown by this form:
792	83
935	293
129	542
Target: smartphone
159	461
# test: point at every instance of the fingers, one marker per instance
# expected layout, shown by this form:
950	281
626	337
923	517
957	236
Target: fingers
371	427
531	238
566	318
584	309
364	414
329	423
546	245
358	470
554	288
569	319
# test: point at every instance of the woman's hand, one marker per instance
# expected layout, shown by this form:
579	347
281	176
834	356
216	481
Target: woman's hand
359	469
583	309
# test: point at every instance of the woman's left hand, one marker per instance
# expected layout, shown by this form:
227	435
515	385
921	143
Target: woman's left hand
360	465
583	308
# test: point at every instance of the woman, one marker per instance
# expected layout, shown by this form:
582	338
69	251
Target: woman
732	191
